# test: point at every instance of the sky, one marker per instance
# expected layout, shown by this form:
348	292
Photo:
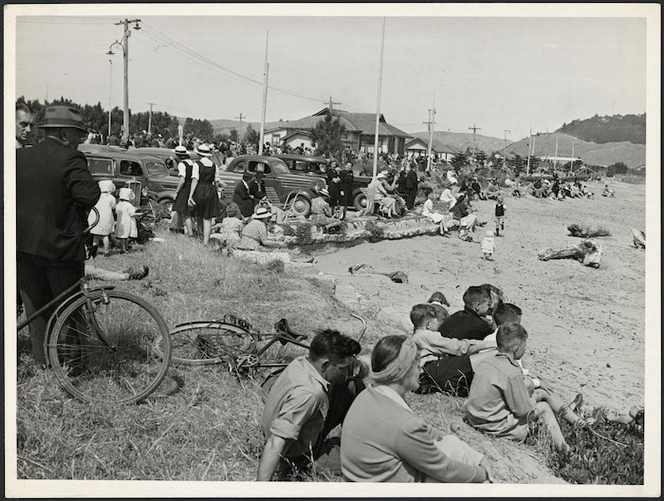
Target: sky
495	73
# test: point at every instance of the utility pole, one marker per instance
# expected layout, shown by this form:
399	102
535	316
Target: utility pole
239	137
380	85
430	122
506	131
150	120
555	157
474	128
267	67
571	167
125	52
530	140
110	99
330	104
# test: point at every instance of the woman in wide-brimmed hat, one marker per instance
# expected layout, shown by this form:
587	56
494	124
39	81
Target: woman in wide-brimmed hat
205	200
254	234
321	212
383	440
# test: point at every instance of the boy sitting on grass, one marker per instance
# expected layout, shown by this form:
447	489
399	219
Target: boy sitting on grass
469	322
448	364
499	402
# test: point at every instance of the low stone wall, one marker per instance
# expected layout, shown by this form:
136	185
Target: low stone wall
359	230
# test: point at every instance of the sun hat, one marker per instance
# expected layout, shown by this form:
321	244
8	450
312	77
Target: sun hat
203	150
63	116
126	194
262	213
107	186
324	192
181	150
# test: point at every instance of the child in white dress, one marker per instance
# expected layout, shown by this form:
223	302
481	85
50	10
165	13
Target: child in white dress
103	230
125	226
488	245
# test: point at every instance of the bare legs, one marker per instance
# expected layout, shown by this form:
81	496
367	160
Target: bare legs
548	407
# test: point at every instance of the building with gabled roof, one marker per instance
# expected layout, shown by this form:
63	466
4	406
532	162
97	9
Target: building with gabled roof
419	147
359	134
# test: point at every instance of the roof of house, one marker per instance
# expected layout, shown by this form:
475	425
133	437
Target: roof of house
296	132
436	145
363	123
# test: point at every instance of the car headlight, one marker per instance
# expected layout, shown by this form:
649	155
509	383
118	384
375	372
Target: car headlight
144	192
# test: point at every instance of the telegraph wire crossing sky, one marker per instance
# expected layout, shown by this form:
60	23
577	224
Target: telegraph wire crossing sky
498	73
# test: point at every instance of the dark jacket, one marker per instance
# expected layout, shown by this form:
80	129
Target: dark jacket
465	324
411	180
242	197
54	191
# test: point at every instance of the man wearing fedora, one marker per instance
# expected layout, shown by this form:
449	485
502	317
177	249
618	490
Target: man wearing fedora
54	190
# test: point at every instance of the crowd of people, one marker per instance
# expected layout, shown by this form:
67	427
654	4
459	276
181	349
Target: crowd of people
475	353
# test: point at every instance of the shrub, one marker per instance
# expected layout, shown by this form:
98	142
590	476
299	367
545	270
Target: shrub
375	231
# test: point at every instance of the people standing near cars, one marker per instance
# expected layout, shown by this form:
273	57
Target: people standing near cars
346	189
188	174
205	200
334	185
54	189
411	186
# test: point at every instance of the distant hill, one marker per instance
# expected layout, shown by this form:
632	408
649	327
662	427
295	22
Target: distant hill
608	129
224	125
632	155
464	140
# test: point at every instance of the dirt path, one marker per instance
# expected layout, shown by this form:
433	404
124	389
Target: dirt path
586	326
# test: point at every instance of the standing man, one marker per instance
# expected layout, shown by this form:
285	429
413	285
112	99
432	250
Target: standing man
54	190
346	189
24	125
411	186
307	401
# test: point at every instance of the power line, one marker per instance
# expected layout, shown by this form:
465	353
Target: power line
161	37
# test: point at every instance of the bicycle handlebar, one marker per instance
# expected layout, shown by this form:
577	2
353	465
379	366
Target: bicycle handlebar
94	223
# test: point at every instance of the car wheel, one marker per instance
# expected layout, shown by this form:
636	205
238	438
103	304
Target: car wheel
301	206
360	201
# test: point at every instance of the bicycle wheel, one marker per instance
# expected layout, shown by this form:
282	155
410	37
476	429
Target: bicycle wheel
101	348
209	342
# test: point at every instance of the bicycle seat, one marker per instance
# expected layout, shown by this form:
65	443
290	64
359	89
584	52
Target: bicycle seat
284	330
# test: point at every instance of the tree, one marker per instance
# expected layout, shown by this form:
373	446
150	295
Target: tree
251	136
201	129
616	168
234	135
327	134
459	161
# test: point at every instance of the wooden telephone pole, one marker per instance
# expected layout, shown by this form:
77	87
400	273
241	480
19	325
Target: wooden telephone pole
239	136
474	128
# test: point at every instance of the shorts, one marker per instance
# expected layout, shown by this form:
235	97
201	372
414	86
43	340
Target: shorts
448	374
499	220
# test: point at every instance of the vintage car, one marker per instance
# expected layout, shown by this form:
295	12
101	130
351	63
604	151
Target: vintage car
282	186
122	166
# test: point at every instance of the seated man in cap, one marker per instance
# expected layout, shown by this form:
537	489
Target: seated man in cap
54	190
307	401
321	212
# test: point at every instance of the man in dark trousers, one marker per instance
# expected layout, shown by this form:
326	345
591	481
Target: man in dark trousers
54	191
411	187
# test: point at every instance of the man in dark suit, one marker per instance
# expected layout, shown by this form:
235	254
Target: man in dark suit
411	187
242	195
54	189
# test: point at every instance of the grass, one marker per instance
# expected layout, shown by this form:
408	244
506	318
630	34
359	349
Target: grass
203	423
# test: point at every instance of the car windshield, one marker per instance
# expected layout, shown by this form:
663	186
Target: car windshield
279	167
156	168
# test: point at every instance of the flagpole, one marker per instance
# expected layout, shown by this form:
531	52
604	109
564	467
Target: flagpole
380	81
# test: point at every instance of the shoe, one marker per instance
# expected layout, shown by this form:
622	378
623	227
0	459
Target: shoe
576	403
135	274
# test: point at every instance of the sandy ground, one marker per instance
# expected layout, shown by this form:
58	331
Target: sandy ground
586	326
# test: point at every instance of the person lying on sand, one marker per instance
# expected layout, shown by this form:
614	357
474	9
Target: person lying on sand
588	252
586	231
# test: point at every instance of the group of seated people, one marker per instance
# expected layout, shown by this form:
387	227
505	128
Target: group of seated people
557	190
474	353
451	211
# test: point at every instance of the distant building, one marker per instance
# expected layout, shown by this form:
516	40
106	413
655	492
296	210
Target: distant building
419	147
359	135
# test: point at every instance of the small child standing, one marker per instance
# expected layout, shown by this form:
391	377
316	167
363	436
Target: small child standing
499	214
125	227
488	245
103	230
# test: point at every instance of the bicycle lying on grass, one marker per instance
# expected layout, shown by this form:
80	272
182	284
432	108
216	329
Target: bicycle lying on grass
233	341
99	343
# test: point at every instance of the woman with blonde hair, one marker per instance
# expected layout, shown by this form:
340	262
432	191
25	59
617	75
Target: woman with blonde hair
383	440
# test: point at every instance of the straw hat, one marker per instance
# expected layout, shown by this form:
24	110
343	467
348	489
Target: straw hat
181	151
203	150
262	213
